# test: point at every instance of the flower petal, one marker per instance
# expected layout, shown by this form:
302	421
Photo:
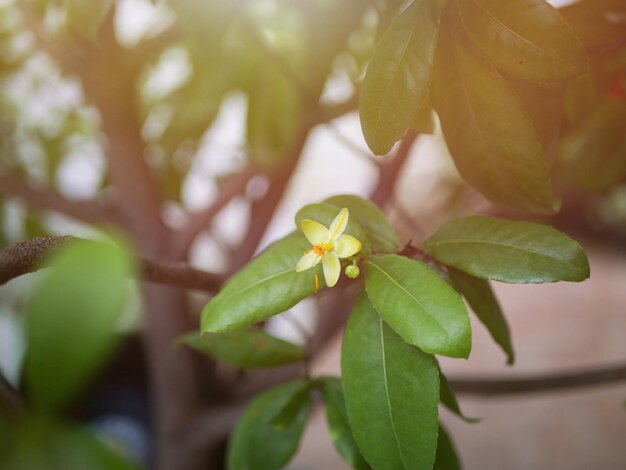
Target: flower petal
346	246
339	224
309	260
332	268
314	232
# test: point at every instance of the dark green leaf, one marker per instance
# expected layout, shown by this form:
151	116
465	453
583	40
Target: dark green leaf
484	303
290	412
396	81
447	458
449	400
325	212
71	319
422	308
380	233
391	391
489	133
255	443
268	285
246	348
526	38
338	426
508	251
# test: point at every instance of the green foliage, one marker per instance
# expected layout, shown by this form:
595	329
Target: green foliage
256	442
391	392
71	320
509	251
338	425
422	308
265	287
446	458
247	348
396	82
481	298
449	400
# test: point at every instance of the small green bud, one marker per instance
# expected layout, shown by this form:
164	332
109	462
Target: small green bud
352	271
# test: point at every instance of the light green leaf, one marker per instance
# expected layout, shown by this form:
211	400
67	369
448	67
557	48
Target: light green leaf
71	319
338	426
246	348
396	81
489	133
380	233
484	303
447	458
268	285
325	213
86	16
391	391
256	443
422	308
526	38
508	251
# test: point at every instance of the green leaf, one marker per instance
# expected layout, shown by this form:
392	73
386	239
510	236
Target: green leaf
484	303
256	443
508	251
422	308
71	319
246	348
391	391
290	412
380	233
268	285
325	213
338	425
446	458
449	400
489	133
396	81
526	38
86	16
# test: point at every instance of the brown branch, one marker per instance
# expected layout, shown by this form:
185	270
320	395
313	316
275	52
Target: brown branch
201	220
49	199
540	383
26	257
10	397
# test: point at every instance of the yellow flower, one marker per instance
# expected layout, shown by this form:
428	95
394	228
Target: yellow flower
329	244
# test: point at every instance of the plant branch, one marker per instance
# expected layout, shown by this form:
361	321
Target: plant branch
48	199
539	383
10	397
26	257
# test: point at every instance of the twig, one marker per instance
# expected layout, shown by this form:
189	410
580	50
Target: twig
48	199
27	257
540	383
199	221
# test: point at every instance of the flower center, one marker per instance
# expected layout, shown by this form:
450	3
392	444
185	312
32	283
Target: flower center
319	250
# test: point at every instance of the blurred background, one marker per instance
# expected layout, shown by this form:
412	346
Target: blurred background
206	96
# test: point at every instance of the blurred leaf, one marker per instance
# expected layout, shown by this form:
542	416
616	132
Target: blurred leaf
490	135
508	251
449	400
581	99
266	286
446	458
203	22
246	348
525	38
86	16
325	212
290	412
422	308
71	319
424	122
338	426
396	81
273	118
45	445
594	158
484	303
255	443
391	391
590	20
380	234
